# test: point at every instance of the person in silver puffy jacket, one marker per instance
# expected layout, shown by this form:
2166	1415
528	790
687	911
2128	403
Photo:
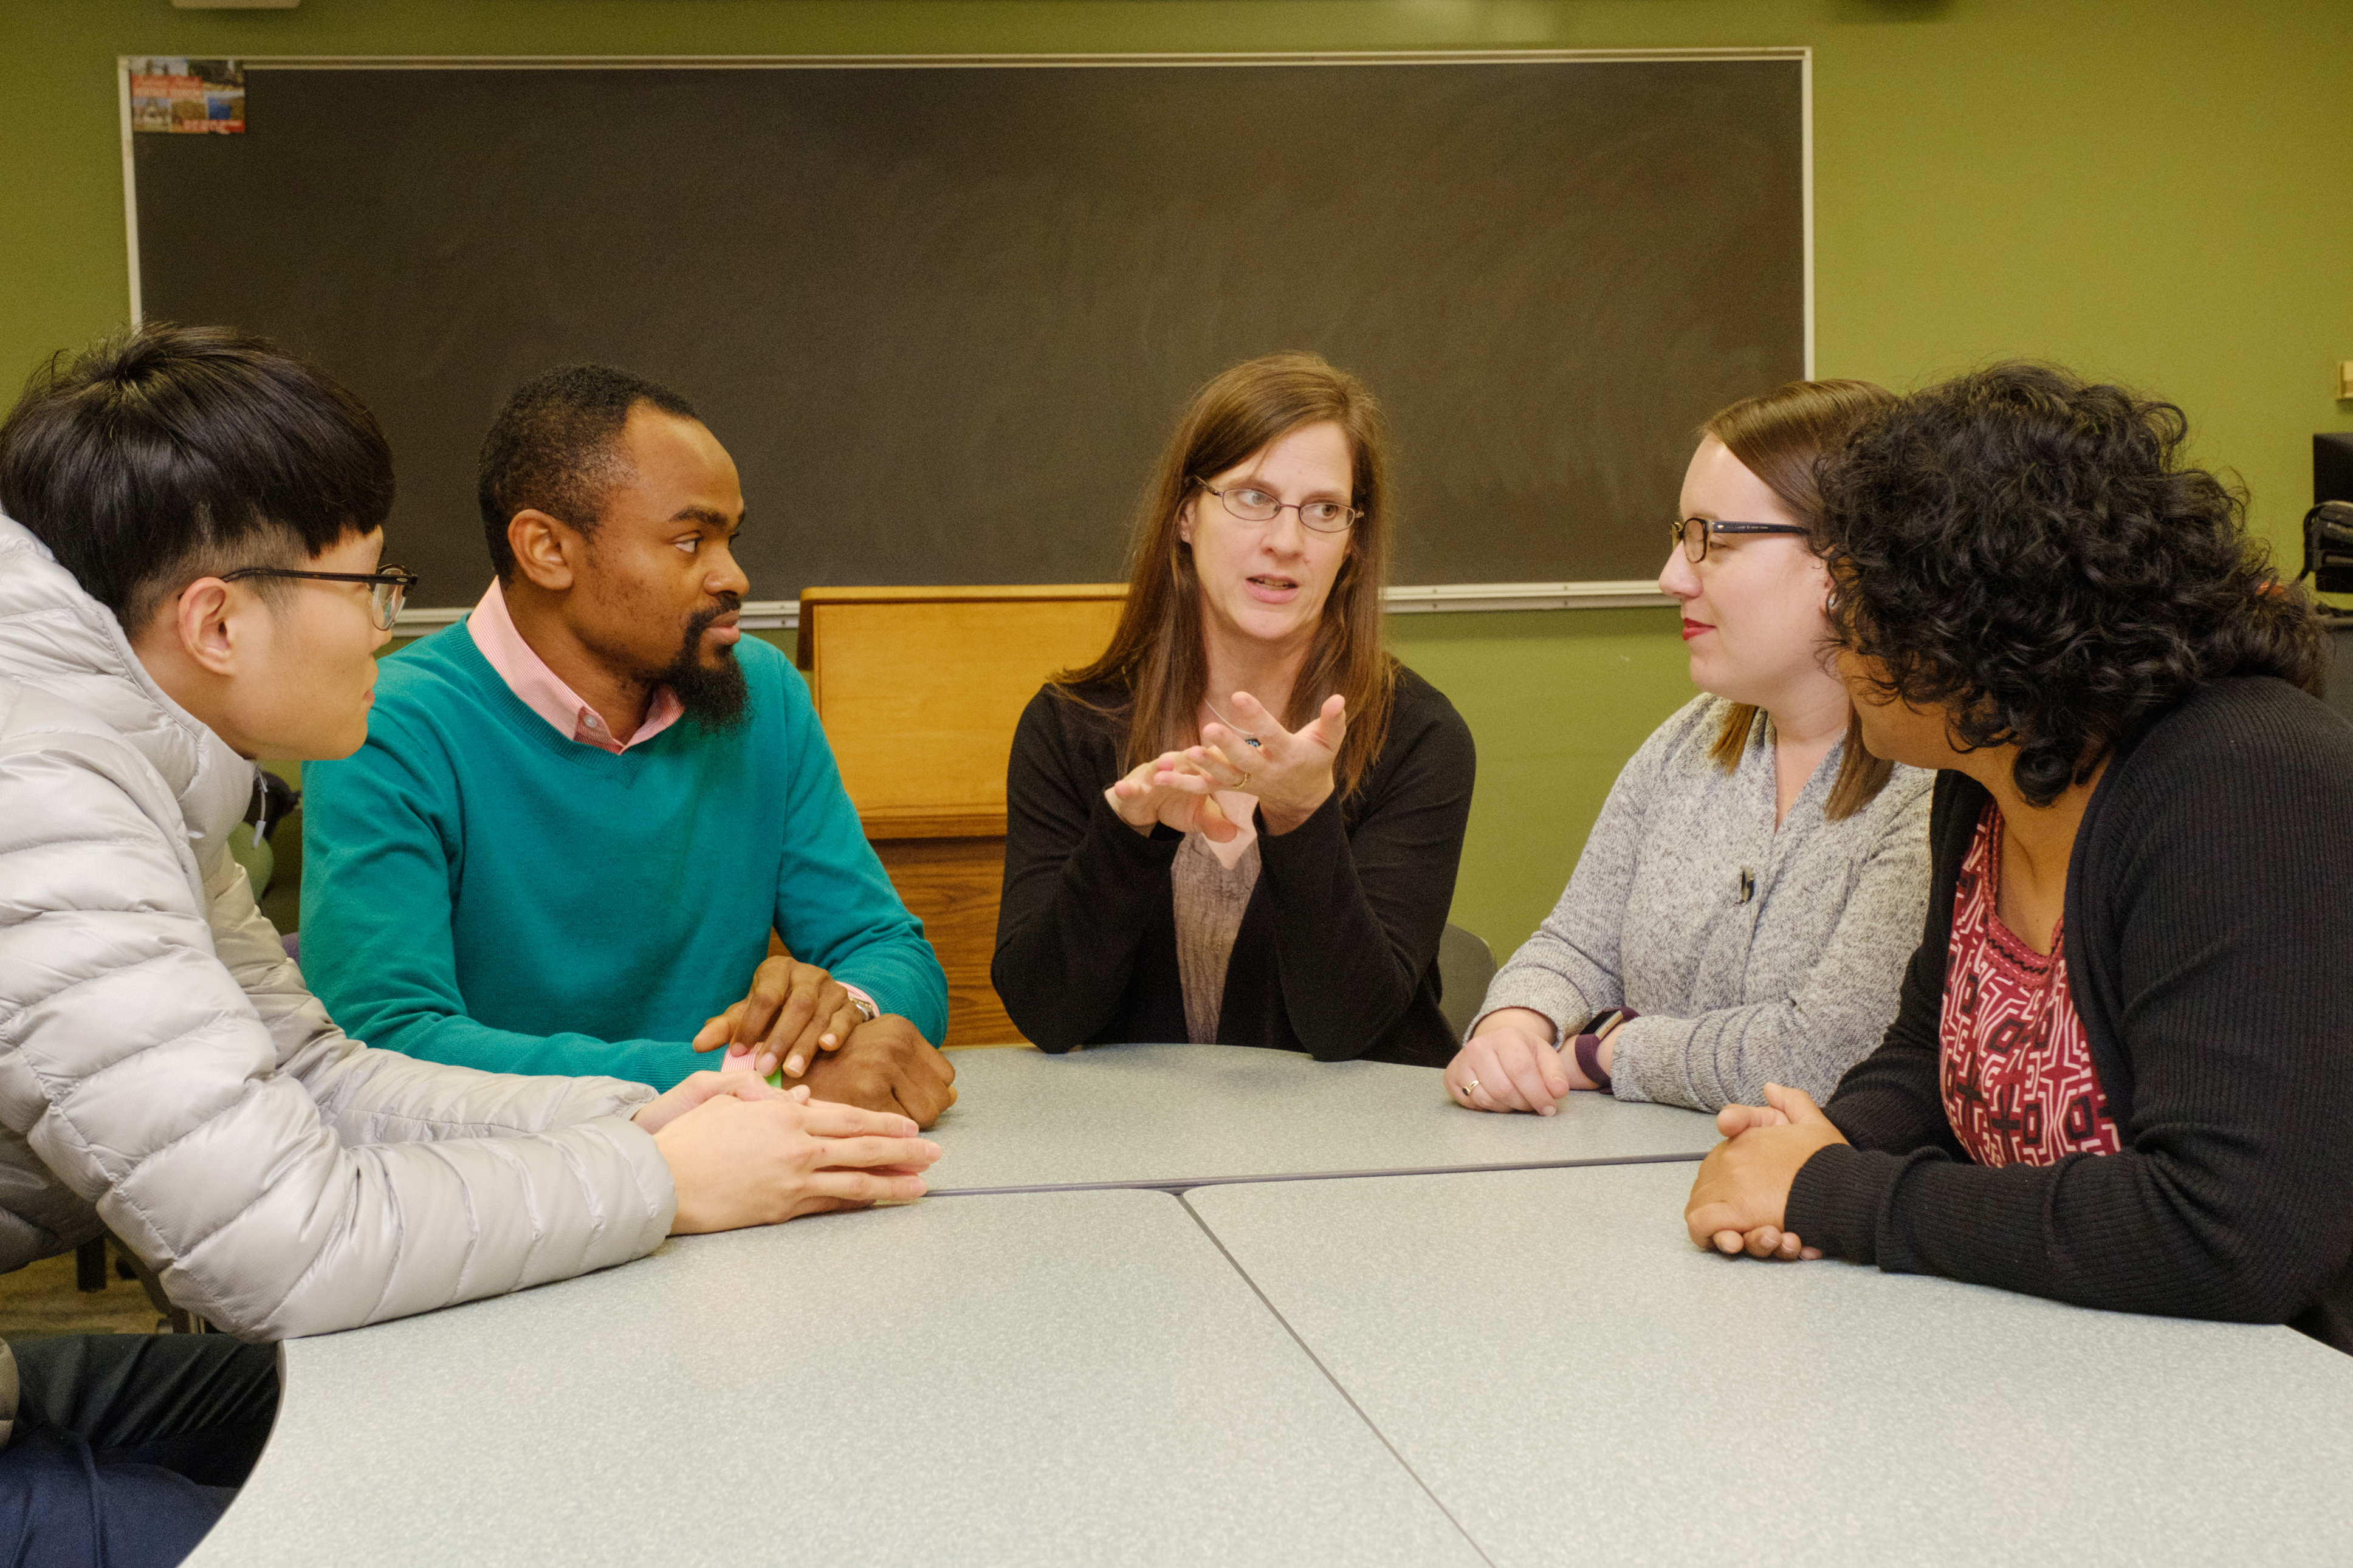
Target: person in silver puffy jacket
164	1073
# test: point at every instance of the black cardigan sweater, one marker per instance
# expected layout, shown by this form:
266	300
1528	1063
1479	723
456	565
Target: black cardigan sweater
2209	951
1337	951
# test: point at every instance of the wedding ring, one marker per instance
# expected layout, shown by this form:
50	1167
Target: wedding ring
1245	779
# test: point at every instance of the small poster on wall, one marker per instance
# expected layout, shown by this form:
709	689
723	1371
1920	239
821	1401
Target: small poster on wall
169	93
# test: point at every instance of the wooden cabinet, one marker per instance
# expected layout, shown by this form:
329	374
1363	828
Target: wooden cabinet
919	689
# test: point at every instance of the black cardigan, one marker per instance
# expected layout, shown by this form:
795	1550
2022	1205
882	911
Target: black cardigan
1337	951
2209	951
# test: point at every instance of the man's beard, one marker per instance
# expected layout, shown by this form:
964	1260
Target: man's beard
717	697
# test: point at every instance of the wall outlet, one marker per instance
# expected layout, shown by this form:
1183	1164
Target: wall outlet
2345	380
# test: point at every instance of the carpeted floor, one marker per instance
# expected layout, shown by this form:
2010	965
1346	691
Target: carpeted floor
40	1299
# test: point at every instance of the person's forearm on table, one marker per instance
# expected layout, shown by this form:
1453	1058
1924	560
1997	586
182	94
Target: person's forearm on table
459	1041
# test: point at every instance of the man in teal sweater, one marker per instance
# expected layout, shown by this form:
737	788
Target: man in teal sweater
581	811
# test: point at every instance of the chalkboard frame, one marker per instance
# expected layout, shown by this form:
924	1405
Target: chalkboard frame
785	614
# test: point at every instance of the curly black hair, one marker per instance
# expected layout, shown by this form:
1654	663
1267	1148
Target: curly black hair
2021	548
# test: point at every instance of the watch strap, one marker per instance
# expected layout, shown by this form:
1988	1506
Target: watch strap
1588	1060
1587	1045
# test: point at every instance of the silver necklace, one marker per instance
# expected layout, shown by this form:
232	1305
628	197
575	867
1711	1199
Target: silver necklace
1248	739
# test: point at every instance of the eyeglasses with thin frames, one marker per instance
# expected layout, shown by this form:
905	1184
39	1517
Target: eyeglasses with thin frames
1693	534
387	585
1247	503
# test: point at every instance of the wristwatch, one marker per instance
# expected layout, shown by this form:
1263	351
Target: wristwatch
1587	1044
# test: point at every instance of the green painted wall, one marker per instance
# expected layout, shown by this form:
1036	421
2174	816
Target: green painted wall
2153	192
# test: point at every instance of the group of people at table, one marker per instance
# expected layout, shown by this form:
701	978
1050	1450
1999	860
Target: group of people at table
1991	891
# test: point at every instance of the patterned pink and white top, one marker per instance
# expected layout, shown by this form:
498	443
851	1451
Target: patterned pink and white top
2014	1062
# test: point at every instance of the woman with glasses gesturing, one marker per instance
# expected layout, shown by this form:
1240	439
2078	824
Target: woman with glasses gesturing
1242	824
1744	903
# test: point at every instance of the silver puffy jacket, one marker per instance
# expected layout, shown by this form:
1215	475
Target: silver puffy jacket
163	1070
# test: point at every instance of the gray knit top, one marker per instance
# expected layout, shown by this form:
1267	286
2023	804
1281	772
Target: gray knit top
1753	955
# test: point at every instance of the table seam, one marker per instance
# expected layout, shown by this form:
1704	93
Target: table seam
1338	1388
1181	1185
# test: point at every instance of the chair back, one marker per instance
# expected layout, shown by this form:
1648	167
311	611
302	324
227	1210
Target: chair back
1464	967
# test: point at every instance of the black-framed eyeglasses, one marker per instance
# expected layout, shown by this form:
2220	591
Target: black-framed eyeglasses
1251	504
1691	533
387	585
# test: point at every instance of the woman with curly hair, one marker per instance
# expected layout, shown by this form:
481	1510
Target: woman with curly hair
2118	1073
1742	907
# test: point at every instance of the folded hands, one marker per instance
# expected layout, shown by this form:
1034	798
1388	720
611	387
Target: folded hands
1739	1202
798	1020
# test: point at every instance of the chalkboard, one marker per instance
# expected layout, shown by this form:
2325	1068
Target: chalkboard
943	315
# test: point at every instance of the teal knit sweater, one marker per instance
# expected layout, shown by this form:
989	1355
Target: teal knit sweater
479	888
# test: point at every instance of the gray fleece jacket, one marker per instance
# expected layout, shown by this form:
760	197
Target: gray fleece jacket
1791	981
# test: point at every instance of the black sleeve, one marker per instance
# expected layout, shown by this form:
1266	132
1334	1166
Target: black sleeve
1081	885
1891	1100
1357	914
2213	896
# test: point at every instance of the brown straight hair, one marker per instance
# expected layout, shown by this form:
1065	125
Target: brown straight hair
1780	436
1157	654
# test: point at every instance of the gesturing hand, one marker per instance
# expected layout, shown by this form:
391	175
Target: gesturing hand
1141	800
1289	772
1741	1197
793	1011
747	1153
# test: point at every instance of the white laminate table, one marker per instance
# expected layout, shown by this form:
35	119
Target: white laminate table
1577	1383
1183	1116
1050	1378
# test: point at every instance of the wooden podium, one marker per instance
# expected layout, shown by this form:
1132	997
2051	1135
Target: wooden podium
919	689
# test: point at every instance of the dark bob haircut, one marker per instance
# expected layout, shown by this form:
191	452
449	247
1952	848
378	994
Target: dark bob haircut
165	454
2023	550
555	447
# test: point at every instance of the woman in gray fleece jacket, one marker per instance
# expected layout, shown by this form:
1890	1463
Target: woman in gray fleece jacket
1747	900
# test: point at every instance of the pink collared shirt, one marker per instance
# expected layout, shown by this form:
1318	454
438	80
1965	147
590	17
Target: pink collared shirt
543	691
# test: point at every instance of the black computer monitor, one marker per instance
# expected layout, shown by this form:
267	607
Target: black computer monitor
2332	479
2328	526
2332	465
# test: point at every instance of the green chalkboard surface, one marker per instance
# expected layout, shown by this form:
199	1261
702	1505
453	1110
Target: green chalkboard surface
945	314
